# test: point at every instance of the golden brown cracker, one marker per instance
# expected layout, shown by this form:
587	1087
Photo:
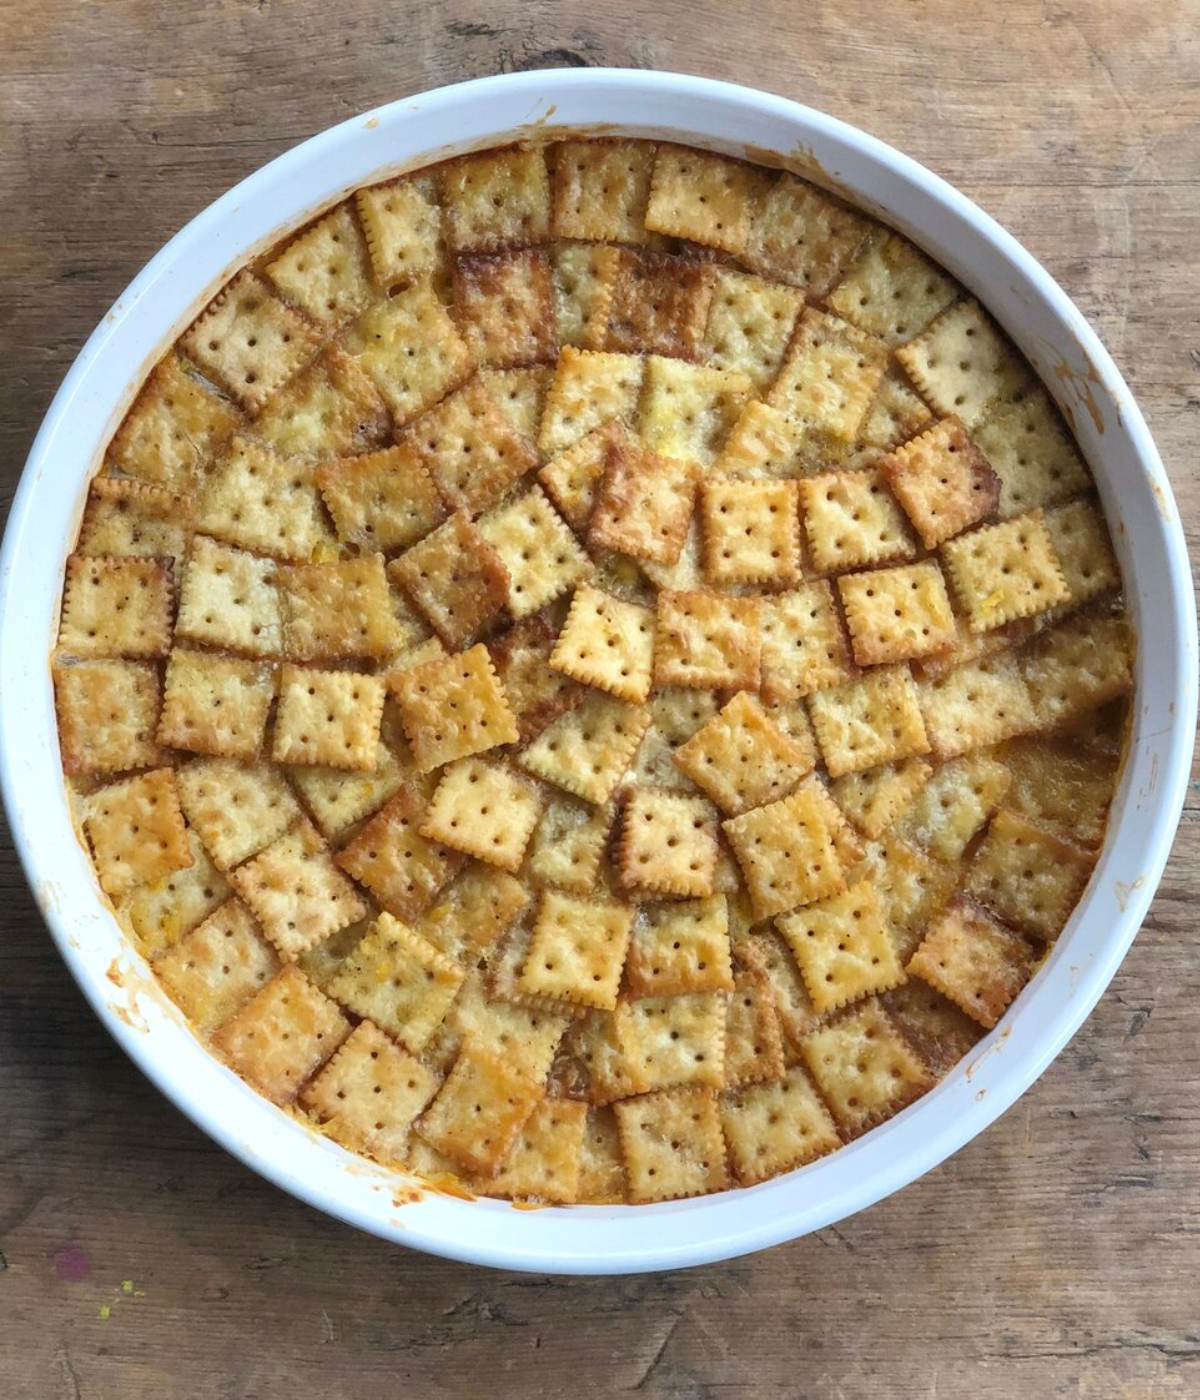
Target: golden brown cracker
786	853
897	614
399	981
390	856
541	556
943	481
330	718
704	197
137	831
687	410
215	704
455	577
829	375
607	643
1029	876
107	713
742	758
775	1127
601	188
708	639
751	531
328	410
124	517
852	520
485	811
283	1035
1005	572
453	707
876	719
864	1068
804	237
642	503
116	607
326	271
296	892
504	304
843	947
261	501
974	960
249	341
500	199
672	1143
410	348
658	304
381	500
668	844
804	647
175	426
577	949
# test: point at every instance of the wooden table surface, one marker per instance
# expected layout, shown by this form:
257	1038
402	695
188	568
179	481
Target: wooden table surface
1058	1254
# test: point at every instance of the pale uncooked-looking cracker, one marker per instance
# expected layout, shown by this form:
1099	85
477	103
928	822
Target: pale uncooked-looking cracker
830	374
587	750
541	557
963	365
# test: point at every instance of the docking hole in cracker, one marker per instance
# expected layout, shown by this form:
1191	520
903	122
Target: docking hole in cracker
592	672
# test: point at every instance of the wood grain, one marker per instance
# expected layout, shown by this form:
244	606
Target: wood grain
1058	1254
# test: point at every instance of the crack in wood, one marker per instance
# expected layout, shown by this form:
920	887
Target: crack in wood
659	1352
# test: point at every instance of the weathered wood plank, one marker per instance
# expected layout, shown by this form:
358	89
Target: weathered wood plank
1055	1256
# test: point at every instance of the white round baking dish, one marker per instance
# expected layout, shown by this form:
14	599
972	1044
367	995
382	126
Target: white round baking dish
1036	313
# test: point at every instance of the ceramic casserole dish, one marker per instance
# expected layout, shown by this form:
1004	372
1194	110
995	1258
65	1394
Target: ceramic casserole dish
1029	305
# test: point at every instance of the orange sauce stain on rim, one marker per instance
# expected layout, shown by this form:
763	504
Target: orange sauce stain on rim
544	119
1000	1042
1080	385
447	1186
133	984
